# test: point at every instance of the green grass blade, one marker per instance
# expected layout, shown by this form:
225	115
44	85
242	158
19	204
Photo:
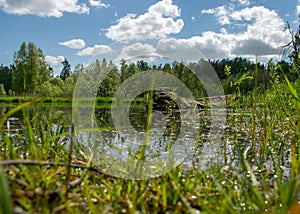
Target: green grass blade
291	88
5	202
14	110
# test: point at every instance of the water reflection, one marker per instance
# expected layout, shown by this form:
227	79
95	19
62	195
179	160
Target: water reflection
199	147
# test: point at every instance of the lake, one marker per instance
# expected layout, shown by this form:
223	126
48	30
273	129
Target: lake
195	139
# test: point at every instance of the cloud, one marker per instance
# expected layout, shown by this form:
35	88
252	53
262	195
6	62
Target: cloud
264	33
264	24
244	2
222	14
158	22
98	3
137	50
54	60
92	51
298	8
207	46
43	8
252	47
74	44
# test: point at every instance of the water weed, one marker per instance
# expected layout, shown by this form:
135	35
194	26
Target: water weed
44	172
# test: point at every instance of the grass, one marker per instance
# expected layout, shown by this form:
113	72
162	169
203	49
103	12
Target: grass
21	99
260	172
98	100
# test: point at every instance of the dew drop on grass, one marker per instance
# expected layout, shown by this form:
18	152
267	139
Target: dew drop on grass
193	197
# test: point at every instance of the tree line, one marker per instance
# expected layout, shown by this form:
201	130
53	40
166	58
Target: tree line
31	75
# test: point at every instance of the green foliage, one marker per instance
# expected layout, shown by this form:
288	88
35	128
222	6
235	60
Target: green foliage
30	69
110	84
68	86
56	81
2	90
237	65
5	202
263	180
29	74
11	93
66	70
6	77
49	90
127	70
227	70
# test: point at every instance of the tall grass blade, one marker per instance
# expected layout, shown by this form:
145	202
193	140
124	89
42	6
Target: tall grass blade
17	108
292	89
5	199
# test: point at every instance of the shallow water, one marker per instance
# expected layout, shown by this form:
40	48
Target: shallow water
195	139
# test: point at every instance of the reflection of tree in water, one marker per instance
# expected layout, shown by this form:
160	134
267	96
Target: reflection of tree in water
165	124
103	117
43	119
39	123
138	119
165	115
168	120
41	111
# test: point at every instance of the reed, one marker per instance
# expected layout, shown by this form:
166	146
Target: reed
260	174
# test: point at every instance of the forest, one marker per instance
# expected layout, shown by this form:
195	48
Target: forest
30	75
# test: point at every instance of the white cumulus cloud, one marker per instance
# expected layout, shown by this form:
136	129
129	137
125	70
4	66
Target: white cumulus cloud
244	2
160	20
98	3
137	50
207	46
264	33
74	44
54	60
264	25
96	50
43	8
222	13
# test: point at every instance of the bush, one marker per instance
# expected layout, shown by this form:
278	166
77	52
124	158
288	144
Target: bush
49	90
11	93
2	90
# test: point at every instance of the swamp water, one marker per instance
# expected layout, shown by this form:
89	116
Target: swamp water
196	142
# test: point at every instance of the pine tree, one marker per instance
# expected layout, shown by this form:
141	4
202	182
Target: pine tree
66	70
19	72
30	69
6	77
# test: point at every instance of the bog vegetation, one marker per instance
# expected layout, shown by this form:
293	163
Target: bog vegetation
259	171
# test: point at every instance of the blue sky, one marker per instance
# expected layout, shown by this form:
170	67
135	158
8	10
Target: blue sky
83	30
